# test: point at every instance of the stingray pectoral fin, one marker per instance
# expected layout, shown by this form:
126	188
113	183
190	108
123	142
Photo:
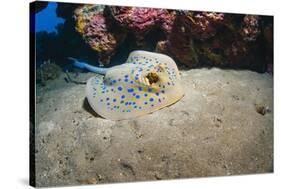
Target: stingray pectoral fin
132	90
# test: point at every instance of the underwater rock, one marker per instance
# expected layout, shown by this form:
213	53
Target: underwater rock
262	109
93	26
47	71
140	21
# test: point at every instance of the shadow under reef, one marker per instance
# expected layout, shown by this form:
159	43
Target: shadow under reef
185	68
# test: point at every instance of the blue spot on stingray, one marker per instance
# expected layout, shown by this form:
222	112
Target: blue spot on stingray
140	89
126	80
145	94
145	102
128	111
135	106
108	104
136	78
114	81
157	94
123	110
130	103
123	96
138	96
126	104
130	90
114	100
134	94
107	98
134	103
126	76
119	88
112	90
149	89
114	106
162	91
151	99
131	82
122	101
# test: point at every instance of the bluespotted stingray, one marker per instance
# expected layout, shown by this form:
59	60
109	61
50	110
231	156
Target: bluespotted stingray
146	82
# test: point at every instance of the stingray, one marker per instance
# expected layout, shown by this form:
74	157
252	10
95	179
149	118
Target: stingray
145	83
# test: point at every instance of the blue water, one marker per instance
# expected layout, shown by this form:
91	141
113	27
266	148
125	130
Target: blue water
47	20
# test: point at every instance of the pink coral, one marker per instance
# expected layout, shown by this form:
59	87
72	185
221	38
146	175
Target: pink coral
250	27
92	25
141	20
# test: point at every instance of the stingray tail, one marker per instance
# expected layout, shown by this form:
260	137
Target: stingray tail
88	67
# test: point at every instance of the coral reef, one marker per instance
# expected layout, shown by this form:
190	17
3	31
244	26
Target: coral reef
103	28
180	43
250	27
190	28
216	39
140	21
94	28
106	34
203	25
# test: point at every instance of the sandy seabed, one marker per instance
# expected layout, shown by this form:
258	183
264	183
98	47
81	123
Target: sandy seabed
222	126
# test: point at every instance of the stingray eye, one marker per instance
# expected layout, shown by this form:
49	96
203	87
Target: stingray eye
152	77
160	68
